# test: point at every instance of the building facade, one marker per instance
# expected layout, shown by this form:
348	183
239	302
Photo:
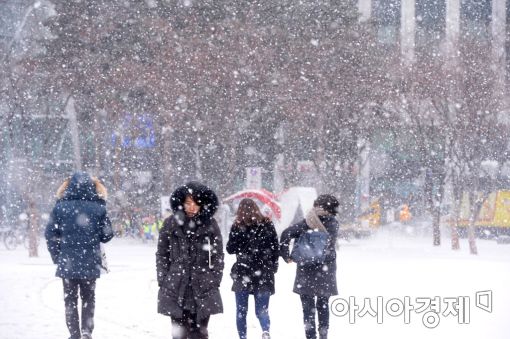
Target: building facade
435	26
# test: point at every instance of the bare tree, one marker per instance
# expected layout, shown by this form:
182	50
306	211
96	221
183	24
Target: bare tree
455	113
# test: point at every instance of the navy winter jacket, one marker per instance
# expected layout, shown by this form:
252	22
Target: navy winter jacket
78	224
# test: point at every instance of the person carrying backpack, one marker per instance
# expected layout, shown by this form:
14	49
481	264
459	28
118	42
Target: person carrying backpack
315	256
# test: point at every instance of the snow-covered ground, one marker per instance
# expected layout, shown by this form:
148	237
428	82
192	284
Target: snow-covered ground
390	265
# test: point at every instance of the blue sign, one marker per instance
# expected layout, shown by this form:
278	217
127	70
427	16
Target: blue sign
137	132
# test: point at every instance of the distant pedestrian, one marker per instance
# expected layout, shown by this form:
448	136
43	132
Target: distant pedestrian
405	214
189	262
77	226
254	241
316	282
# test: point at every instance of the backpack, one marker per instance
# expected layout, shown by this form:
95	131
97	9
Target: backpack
310	248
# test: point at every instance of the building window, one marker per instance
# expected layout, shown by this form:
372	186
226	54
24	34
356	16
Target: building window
475	18
386	15
431	18
9	19
430	27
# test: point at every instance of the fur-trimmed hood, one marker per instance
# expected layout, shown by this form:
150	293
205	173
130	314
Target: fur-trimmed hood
201	194
81	186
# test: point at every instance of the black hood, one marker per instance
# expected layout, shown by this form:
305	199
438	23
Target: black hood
201	194
81	187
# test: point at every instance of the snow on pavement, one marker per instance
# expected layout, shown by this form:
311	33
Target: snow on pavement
386	265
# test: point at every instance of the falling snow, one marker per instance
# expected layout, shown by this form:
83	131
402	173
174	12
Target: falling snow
400	109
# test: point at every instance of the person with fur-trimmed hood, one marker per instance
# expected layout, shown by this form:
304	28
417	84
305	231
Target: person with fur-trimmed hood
77	226
315	283
189	262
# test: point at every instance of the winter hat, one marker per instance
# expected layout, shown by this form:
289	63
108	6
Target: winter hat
327	202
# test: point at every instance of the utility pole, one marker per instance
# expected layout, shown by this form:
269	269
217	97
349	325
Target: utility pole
407	32
73	124
365	9
279	164
452	30
498	30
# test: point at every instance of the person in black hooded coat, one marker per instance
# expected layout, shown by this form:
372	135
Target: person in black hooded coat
254	241
77	226
189	261
315	283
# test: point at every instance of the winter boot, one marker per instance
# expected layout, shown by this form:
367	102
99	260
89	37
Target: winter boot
265	335
323	333
86	336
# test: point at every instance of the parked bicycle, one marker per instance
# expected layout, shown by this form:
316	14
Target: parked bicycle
8	238
18	234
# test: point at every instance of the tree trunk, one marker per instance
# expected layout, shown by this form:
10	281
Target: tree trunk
438	199
99	138
455	222
475	206
455	235
472	238
117	160
436	231
364	175
33	232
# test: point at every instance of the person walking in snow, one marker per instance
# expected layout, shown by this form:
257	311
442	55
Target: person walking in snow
189	262
254	241
315	283
77	226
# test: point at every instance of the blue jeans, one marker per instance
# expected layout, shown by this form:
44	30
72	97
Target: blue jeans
261	310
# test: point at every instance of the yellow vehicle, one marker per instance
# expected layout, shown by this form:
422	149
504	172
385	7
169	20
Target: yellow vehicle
365	224
372	216
494	216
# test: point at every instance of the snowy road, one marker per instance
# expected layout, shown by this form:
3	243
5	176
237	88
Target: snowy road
385	265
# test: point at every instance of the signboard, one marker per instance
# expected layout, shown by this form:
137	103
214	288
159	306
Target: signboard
307	173
254	178
165	206
136	131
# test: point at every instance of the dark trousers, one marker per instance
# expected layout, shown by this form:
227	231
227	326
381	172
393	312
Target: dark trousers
311	304
87	290
261	310
189	327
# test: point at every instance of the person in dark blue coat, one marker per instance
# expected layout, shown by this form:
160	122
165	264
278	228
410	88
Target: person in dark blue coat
77	226
315	283
254	241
